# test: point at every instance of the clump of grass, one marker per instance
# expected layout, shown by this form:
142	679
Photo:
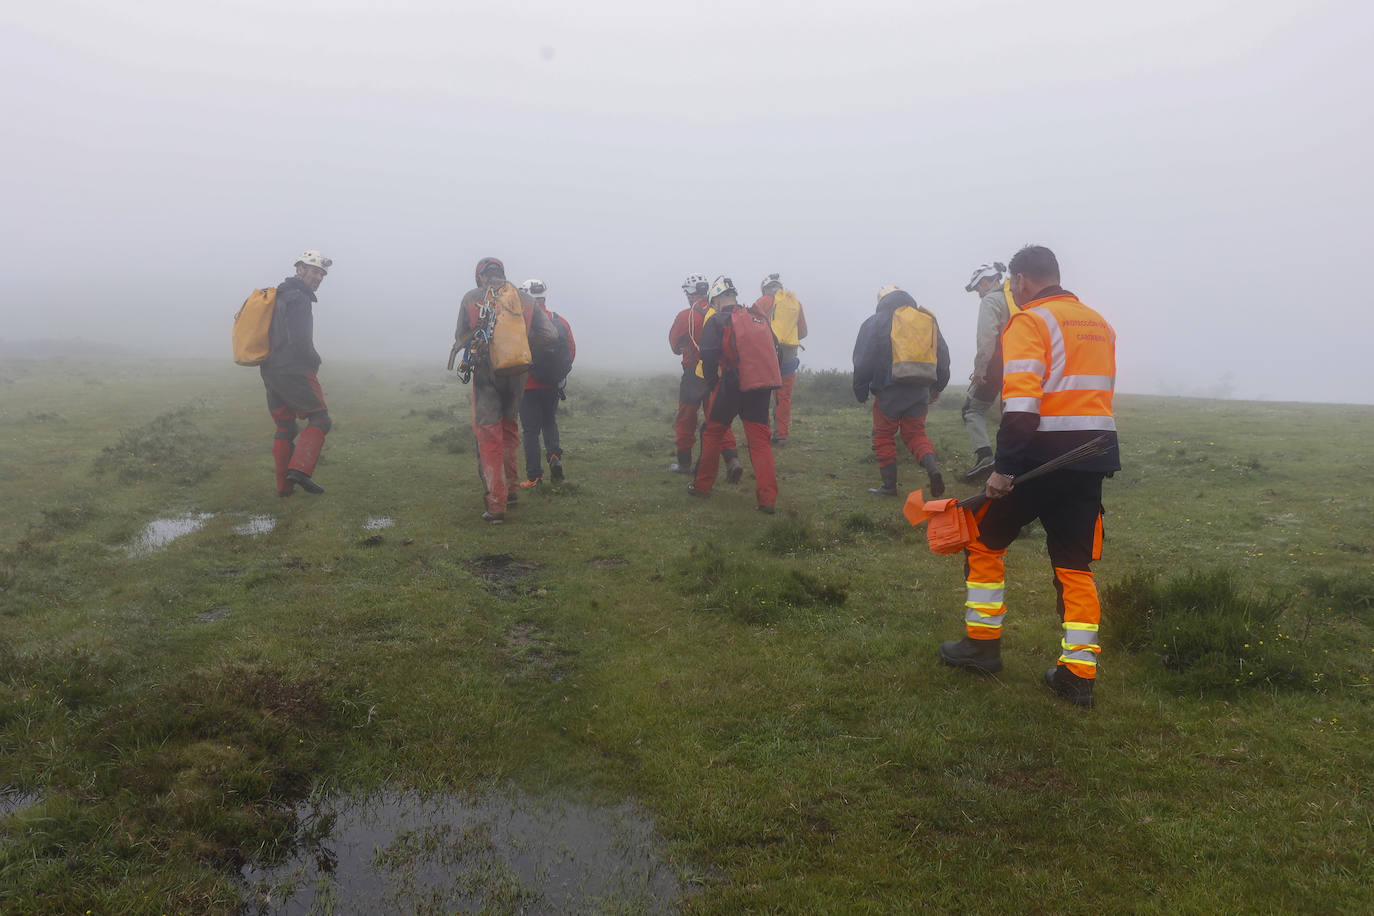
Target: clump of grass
1350	594
455	441
171	447
1209	634
863	523
788	535
829	388
750	591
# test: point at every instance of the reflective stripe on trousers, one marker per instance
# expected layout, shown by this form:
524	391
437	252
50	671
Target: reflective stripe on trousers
985	603
1082	615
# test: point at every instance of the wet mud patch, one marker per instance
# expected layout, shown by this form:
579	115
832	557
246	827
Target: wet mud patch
502	574
255	525
503	852
213	614
534	654
378	523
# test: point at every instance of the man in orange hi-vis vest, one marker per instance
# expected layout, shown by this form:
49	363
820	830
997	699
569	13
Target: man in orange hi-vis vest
1058	374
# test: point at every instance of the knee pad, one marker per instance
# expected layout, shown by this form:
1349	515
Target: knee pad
322	421
286	429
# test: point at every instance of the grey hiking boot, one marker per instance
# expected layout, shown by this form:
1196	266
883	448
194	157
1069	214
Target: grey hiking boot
494	518
1077	690
982	467
982	655
889	475
734	471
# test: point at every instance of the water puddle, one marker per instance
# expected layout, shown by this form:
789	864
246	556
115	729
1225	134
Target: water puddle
256	524
510	852
12	801
378	523
162	531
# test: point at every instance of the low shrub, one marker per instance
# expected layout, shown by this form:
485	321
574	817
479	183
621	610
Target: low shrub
1208	633
827	388
171	447
455	441
750	591
788	535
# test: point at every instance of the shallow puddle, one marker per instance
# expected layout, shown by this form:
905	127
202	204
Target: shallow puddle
399	852
162	531
377	523
13	801
256	524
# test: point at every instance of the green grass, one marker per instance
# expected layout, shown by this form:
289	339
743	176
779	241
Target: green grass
766	687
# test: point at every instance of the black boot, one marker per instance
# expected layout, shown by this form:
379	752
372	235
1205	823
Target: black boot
982	464
983	655
1077	690
889	475
683	465
937	483
734	471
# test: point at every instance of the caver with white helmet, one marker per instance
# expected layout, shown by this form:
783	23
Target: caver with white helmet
695	286
534	288
723	286
991	271
313	258
771	283
890	288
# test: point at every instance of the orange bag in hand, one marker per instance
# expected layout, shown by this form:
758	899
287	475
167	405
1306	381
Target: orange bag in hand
952	527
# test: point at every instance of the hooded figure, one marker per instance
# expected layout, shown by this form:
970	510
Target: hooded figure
900	404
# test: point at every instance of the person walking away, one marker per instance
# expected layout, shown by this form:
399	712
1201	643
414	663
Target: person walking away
788	319
1058	376
500	325
290	375
684	337
995	308
543	390
901	358
738	347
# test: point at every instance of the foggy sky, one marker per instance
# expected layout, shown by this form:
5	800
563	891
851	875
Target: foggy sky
1201	167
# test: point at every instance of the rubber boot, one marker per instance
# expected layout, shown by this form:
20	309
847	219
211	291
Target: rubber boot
281	460
683	465
734	471
303	459
937	483
1077	690
889	475
982	655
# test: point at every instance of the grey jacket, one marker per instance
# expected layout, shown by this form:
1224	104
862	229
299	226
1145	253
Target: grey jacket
993	316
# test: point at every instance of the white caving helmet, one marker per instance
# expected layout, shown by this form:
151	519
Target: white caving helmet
695	285
770	280
887	291
314	258
722	287
991	271
535	288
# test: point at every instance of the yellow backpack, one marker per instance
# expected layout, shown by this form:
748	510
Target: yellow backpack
915	348
786	316
1012	307
252	326
709	312
510	343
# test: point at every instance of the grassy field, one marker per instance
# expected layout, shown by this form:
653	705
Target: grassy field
766	688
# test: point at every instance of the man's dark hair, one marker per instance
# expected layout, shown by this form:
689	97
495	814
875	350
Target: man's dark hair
1036	262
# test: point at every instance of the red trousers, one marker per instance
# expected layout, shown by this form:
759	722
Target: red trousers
886	429
782	406
752	408
685	425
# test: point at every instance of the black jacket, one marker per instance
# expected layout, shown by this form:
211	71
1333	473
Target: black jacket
873	363
292	335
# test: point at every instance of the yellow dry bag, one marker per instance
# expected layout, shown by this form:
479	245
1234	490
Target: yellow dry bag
915	348
252	327
510	343
786	317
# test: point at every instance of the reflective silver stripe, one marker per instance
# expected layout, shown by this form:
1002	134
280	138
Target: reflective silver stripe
1021	405
1023	365
979	619
1062	424
1077	637
1082	383
1058	355
994	596
1082	656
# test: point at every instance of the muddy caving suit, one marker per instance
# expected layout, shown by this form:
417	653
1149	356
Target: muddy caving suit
1059	372
899	408
721	357
293	389
496	399
789	361
693	392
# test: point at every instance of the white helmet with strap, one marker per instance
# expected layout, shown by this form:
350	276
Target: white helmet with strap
723	286
991	271
770	280
535	288
314	258
695	285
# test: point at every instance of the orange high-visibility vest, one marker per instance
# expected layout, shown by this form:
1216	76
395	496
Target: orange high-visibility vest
1059	362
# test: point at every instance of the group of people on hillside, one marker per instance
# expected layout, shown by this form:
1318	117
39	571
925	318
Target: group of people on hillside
1048	358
